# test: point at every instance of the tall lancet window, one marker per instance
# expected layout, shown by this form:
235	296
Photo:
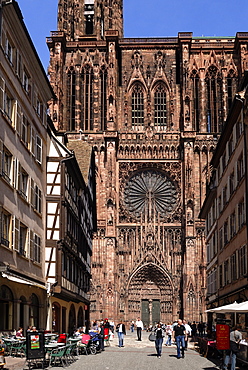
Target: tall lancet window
103	82
89	16
231	88
160	112
137	106
71	99
214	100
87	97
195	81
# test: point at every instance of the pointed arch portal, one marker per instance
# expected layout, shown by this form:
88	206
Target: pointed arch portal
150	293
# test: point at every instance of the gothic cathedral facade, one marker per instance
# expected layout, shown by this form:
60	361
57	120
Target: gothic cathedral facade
153	109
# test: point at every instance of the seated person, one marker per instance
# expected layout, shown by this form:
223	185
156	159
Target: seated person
19	333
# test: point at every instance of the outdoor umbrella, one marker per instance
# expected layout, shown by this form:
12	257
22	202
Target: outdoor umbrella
227	308
242	307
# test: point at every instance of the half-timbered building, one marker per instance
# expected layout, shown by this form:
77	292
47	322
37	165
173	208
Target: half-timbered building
70	226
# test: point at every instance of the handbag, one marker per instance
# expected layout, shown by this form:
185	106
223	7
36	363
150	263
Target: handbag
152	337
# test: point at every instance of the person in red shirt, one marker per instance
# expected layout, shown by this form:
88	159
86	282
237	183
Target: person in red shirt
19	333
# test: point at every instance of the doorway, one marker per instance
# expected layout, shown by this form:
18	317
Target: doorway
150	311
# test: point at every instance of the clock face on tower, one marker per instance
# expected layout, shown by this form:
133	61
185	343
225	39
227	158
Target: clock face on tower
150	193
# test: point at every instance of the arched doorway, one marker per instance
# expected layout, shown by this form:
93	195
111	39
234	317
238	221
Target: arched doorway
34	311
150	295
72	320
80	318
6	308
56	317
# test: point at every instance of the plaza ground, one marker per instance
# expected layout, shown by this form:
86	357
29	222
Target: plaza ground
133	356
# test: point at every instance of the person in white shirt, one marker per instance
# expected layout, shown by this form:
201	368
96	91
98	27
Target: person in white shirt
121	330
188	333
139	327
231	354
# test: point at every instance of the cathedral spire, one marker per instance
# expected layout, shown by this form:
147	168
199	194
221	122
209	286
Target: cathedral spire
90	18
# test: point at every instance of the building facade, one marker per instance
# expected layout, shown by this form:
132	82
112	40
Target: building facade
225	210
24	92
70	226
152	109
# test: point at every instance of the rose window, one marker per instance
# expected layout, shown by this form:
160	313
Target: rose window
150	192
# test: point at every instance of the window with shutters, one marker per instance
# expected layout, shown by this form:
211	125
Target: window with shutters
240	167
37	199
239	130
26	82
9	107
24	130
221	276
39	108
23	240
232	224
38	153
231	183
31	245
23	182
221	242
226	272
243	261
32	141
233	267
32	185
7	164
2	93
224	194
9	51
18	63
241	214
37	248
5	228
15	233
225	230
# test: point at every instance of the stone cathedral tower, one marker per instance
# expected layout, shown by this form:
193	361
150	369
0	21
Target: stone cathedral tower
152	109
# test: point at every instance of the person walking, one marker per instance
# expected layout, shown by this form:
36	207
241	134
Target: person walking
169	334
159	332
132	327
140	327
179	335
194	330
235	338
121	330
188	333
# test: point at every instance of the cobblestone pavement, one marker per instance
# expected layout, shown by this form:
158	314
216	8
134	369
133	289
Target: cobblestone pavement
136	356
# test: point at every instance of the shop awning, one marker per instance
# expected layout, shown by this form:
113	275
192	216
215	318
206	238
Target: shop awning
20	280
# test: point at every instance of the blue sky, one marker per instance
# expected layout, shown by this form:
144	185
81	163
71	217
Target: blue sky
146	18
